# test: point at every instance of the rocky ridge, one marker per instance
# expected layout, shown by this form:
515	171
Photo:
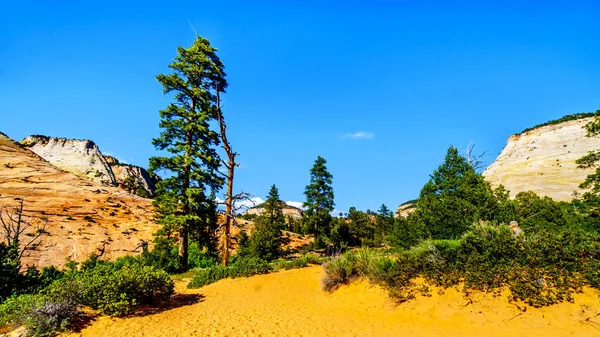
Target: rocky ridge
543	160
84	158
288	210
84	216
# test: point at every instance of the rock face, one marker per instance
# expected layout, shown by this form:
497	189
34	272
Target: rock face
84	158
132	178
406	208
543	160
288	210
84	216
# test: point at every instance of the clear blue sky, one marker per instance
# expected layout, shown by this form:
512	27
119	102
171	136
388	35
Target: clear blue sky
304	77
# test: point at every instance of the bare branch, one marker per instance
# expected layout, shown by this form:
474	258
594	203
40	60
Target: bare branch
15	227
475	160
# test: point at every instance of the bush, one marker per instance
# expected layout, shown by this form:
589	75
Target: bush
208	276
14	311
542	269
338	271
119	291
245	267
51	317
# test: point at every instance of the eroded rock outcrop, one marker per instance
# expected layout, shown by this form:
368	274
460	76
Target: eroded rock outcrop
132	178
543	160
84	158
81	157
84	216
288	210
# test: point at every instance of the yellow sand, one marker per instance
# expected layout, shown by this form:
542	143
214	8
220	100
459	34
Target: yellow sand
291	303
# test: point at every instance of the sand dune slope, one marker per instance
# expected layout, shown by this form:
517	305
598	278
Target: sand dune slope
290	303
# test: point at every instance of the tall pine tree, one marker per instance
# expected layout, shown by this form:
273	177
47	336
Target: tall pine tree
319	200
191	164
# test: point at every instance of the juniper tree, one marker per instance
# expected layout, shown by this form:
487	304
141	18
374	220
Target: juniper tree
319	200
191	162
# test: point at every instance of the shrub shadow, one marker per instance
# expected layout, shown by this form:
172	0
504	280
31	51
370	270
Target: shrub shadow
175	301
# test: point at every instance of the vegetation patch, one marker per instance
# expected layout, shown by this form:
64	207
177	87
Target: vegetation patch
245	267
541	269
561	120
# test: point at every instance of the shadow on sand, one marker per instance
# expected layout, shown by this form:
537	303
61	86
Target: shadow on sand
175	301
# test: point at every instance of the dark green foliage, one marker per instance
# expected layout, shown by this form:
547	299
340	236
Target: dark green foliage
454	198
9	271
541	269
240	267
319	200
266	239
534	213
562	120
182	202
406	232
245	267
112	288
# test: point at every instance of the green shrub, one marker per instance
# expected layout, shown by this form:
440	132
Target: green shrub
208	276
541	269
338	271
14	310
245	267
50	317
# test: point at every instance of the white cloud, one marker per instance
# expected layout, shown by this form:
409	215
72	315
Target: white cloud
296	204
360	135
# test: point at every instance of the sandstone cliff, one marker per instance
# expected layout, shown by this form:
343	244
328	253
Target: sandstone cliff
84	216
132	178
543	160
288	210
84	158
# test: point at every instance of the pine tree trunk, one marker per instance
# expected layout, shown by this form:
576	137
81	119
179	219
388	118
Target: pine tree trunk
183	248
228	211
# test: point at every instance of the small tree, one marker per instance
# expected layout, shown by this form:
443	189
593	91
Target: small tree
266	239
273	209
15	228
192	165
383	224
319	200
18	235
454	198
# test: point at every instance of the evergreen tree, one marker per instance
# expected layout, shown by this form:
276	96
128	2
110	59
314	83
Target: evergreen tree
192	162
273	208
454	198
267	238
383	224
319	200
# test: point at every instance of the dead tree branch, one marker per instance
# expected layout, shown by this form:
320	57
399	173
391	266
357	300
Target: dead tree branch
15	228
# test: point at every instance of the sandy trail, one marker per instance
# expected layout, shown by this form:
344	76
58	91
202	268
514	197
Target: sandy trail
291	303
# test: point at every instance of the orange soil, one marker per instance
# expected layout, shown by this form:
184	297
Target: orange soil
291	303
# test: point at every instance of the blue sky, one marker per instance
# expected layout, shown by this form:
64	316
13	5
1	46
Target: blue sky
410	78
